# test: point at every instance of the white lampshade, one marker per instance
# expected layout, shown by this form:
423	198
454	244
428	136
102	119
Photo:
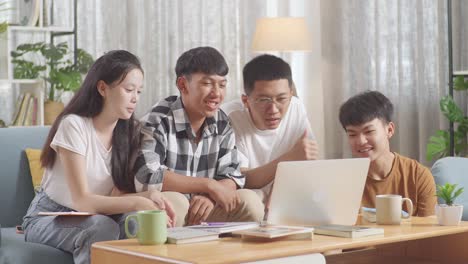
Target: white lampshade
281	34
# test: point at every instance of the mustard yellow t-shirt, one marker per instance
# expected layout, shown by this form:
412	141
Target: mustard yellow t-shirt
407	178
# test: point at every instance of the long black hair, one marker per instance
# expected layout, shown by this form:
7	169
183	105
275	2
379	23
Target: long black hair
112	68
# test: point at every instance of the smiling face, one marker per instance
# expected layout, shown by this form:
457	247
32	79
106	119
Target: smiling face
370	139
202	94
120	99
268	103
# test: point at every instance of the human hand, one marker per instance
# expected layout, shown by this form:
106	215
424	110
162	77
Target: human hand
163	204
199	210
225	196
304	149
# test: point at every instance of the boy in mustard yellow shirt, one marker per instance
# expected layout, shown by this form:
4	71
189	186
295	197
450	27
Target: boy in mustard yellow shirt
367	120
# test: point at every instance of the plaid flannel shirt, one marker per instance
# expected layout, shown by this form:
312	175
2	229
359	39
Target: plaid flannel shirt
169	144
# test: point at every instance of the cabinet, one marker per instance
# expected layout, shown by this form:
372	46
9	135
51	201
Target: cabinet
45	31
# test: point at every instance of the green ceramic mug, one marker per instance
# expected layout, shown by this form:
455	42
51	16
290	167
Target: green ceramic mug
151	227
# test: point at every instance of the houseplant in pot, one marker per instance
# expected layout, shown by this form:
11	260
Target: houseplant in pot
438	145
55	65
449	213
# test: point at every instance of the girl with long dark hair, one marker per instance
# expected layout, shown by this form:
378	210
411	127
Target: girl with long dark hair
88	157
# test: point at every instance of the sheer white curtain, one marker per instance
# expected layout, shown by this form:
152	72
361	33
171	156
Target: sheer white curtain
396	47
159	31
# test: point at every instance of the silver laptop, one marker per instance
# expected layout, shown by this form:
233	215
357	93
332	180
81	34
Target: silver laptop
317	192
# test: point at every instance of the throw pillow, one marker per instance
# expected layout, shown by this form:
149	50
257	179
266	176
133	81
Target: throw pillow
34	158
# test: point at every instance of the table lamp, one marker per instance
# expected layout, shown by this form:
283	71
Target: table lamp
281	34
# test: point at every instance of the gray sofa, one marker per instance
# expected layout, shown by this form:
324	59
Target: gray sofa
16	192
453	170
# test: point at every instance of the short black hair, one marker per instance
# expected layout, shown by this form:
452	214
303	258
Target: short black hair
201	60
365	107
265	68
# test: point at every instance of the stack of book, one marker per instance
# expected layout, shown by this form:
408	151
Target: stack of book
26	113
224	227
348	231
277	231
185	235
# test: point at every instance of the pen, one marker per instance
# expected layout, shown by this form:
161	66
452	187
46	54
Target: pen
213	223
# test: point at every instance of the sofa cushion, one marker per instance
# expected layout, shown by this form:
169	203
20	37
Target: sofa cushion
15	250
35	167
16	190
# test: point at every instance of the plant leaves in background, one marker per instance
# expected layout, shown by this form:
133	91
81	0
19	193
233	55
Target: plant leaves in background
460	84
61	73
451	110
438	145
84	61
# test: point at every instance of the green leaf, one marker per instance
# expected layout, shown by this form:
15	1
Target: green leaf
3	26
438	145
448	192
65	80
52	54
84	61
458	192
15	54
26	70
460	84
450	109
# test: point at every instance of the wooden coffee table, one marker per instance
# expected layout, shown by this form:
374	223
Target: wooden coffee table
419	239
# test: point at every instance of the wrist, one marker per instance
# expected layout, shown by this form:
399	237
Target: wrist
210	186
146	194
137	202
229	184
285	157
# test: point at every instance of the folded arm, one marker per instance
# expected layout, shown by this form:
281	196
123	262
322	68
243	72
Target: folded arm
83	200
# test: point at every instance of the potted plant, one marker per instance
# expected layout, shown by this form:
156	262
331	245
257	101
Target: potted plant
55	65
449	213
438	145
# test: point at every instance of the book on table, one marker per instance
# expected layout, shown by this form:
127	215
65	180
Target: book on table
224	227
348	231
185	235
277	231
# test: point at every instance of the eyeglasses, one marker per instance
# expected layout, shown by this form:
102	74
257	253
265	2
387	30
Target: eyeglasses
264	102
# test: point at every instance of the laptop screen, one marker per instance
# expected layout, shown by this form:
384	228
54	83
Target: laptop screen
318	192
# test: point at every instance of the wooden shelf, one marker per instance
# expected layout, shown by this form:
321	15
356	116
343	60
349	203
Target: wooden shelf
26	81
460	73
42	29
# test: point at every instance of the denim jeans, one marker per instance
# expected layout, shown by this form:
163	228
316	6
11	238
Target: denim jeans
73	234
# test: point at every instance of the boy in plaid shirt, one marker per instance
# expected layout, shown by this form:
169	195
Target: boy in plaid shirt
189	147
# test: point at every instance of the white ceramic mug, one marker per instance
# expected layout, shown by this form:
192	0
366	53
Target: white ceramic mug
389	207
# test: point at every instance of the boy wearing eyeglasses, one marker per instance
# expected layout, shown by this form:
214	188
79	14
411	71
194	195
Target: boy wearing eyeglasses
270	123
188	149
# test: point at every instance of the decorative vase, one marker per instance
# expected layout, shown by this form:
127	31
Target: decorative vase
51	110
449	215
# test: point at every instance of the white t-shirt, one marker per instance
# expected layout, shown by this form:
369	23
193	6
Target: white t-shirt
259	147
77	134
